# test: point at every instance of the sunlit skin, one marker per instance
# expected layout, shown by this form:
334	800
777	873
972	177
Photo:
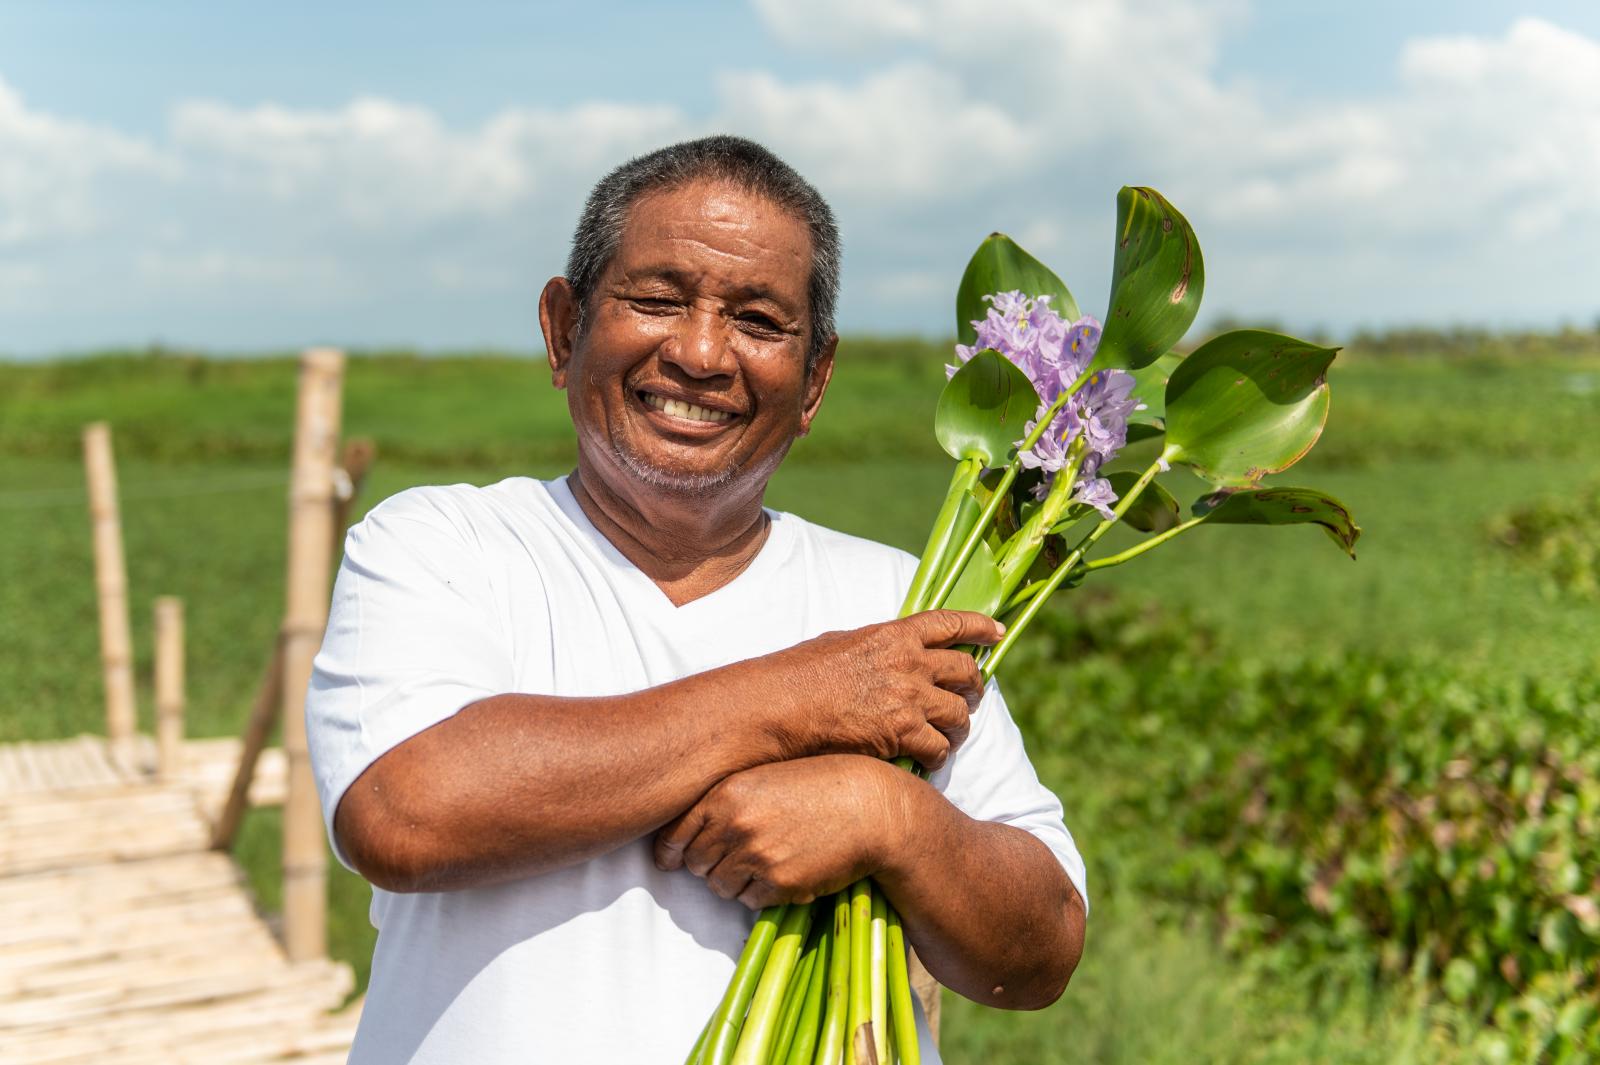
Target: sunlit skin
765	777
705	302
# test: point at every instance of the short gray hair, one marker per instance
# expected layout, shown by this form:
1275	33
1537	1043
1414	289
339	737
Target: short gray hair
719	158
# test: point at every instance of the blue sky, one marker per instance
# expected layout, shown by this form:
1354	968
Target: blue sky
249	176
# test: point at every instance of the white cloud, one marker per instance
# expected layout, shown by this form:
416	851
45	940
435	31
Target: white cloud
1498	122
53	172
910	131
381	163
1473	176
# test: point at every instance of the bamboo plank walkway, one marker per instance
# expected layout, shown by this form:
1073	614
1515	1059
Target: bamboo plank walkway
124	939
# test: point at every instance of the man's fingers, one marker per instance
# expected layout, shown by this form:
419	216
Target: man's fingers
704	852
950	713
928	746
759	894
675	837
945	628
728	878
956	671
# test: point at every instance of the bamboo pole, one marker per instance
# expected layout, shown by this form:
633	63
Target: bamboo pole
311	494
111	587
169	687
263	715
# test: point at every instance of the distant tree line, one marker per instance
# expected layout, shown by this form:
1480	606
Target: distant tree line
1451	341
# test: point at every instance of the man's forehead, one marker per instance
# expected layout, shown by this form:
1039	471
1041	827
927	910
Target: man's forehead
682	234
708	200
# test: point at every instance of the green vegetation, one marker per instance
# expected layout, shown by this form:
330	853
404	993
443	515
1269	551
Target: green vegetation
1561	537
1287	770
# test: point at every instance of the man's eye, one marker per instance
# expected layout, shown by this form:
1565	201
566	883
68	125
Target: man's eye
652	304
759	322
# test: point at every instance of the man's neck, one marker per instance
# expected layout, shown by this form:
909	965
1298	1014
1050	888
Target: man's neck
689	546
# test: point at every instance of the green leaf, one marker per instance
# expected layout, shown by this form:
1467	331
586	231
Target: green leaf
978	587
1156	281
984	408
1150	388
1282	506
1246	404
1154	511
1000	265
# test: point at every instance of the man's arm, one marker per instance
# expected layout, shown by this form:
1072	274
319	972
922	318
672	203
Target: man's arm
516	785
990	910
988	907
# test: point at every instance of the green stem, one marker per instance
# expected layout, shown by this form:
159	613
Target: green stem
804	1047
794	995
992	663
902	1013
729	1018
1140	548
1019	553
858	1035
975	537
1027	592
830	1046
1129	497
880	976
939	539
760	1029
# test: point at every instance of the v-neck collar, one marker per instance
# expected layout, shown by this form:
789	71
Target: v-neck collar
773	551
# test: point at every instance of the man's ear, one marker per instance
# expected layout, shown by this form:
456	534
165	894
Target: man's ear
558	321
817	383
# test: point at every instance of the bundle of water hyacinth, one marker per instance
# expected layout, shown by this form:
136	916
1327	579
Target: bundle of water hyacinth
1041	404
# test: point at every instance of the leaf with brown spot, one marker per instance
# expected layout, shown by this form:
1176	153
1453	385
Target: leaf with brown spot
1282	506
1157	279
1231	420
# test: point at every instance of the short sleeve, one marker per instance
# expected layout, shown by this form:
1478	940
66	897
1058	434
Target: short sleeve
991	779
414	634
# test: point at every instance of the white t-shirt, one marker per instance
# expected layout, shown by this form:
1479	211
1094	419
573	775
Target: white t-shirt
448	595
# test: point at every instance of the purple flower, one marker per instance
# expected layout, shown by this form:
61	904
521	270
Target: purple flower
1054	353
1096	492
1029	333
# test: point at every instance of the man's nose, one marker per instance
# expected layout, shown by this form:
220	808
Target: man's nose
700	348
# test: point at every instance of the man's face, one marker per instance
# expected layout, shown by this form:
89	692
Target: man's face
689	374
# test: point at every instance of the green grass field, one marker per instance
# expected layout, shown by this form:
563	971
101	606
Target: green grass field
1425	450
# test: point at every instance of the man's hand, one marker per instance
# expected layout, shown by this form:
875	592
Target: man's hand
885	690
790	831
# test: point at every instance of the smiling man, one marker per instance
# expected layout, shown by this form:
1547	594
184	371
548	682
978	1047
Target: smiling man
576	732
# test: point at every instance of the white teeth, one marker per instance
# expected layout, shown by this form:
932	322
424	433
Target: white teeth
679	409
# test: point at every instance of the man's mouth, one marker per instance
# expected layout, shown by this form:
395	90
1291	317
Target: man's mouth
689	411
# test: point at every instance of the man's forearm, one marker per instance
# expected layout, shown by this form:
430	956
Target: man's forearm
516	785
990	910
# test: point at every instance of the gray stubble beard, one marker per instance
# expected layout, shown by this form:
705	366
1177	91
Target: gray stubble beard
672	481
682	483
